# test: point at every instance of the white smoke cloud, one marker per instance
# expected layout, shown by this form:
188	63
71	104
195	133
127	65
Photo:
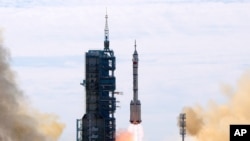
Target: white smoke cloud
19	121
212	122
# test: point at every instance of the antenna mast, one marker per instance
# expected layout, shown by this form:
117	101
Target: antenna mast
106	33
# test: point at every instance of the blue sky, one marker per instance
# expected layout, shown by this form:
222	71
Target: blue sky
187	49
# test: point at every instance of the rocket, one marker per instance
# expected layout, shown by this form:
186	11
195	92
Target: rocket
135	104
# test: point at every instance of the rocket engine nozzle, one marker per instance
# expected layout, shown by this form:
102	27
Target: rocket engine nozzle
135	112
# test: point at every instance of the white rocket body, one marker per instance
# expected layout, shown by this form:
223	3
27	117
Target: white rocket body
135	104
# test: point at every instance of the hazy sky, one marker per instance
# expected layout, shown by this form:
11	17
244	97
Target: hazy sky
188	50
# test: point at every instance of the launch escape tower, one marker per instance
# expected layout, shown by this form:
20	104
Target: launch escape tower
98	123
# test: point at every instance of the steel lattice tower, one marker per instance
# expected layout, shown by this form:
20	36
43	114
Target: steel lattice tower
182	125
98	123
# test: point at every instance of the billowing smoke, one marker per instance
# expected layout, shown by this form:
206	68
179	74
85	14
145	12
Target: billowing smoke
212	123
18	121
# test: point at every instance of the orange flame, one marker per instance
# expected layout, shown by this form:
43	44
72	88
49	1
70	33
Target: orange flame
123	135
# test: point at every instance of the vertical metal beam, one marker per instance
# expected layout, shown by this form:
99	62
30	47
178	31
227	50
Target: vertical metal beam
182	125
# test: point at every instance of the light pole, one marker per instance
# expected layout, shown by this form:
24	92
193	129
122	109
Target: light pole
182	125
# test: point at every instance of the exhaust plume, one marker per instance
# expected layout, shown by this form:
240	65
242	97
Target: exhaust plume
124	135
212	123
137	131
20	122
134	133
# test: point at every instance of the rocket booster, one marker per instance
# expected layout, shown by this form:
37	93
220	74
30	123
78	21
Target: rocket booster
135	104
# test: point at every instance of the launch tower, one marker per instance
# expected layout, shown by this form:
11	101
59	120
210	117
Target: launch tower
98	123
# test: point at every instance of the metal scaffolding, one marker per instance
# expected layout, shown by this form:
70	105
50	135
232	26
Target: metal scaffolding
98	123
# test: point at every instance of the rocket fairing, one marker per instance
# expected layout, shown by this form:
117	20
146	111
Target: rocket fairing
135	104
